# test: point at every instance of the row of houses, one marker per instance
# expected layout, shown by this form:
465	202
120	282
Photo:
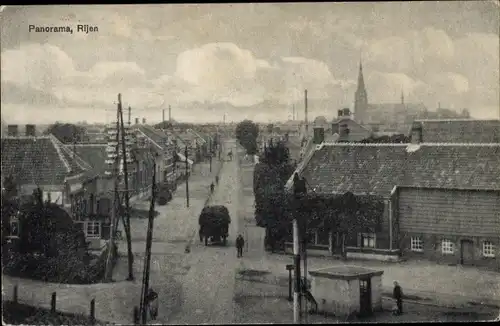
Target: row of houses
78	176
441	189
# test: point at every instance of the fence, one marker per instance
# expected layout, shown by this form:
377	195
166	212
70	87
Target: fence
52	306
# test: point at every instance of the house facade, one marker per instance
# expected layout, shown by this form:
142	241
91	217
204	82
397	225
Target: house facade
440	200
44	162
163	147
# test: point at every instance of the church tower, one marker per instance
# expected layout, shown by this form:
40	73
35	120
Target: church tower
361	98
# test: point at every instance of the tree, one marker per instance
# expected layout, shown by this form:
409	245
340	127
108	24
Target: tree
67	133
270	128
247	133
270	175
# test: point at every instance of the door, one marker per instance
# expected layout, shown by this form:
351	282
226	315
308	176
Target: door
466	252
365	297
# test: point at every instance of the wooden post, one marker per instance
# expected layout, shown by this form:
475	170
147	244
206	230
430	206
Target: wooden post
126	218
136	316
92	311
289	268
147	258
53	302
14	295
187	177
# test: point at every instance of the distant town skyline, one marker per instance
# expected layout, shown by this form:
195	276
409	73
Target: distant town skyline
245	60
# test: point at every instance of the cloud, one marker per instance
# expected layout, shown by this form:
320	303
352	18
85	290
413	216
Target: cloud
216	65
39	66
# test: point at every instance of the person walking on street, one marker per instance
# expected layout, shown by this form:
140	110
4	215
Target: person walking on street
398	296
212	187
239	245
217	179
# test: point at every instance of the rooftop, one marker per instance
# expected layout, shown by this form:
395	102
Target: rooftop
460	130
375	169
345	272
41	160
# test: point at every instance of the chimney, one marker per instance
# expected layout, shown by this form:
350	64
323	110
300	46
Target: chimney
318	135
344	132
30	130
136	121
143	121
340	113
416	133
12	130
346	112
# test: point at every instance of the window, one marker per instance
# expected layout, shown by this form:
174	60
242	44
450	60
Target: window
417	244
447	247
14	227
368	240
93	229
488	249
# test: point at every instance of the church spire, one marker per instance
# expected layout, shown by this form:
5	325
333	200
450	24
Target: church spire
361	80
361	98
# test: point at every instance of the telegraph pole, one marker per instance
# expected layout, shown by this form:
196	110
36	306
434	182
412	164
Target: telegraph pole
115	195
305	111
129	115
210	152
187	177
147	259
126	194
162	115
169	114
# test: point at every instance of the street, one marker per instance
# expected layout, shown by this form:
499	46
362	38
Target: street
208	286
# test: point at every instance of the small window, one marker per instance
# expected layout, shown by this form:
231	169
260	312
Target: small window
93	229
488	249
417	244
368	240
14	228
447	247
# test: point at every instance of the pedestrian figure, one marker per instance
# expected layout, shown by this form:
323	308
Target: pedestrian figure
217	179
212	187
398	296
239	245
152	304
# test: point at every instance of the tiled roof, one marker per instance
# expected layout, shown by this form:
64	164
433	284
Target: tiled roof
376	169
460	131
39	160
201	138
158	137
94	154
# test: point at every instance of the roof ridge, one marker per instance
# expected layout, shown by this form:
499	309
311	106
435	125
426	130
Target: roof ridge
55	143
155	143
82	164
453	119
407	144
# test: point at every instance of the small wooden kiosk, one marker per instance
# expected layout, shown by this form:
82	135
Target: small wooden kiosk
347	290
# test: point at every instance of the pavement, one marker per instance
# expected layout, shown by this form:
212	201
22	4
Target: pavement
114	302
426	282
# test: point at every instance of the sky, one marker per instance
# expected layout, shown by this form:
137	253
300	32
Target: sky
246	60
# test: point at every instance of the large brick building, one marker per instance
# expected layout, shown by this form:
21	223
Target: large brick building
442	201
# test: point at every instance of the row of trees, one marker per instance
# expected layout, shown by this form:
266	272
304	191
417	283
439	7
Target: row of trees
270	175
275	208
67	133
246	133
